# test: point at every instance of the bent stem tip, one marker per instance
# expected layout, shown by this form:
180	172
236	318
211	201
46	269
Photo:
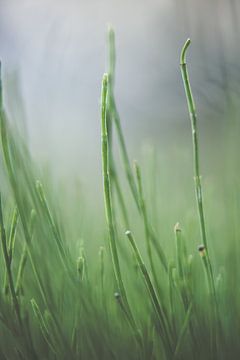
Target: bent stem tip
183	52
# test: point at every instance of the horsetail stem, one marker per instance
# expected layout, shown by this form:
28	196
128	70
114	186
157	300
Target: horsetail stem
166	337
142	205
193	119
108	197
24	255
11	244
116	117
123	149
197	176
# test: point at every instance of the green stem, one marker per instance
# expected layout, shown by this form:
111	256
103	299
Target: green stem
107	195
146	223
8	268
193	118
114	115
166	337
11	244
197	176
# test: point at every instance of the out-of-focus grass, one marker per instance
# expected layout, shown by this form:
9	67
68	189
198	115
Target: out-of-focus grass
151	294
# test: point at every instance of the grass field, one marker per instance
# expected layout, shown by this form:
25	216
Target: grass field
134	286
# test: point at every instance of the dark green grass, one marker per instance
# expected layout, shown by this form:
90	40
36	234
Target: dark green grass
133	286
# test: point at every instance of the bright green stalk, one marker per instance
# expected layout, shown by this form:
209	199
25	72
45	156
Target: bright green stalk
193	118
107	194
197	177
110	113
128	170
115	116
166	337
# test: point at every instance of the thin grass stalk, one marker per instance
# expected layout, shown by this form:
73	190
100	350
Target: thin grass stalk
102	271
129	319
183	331
24	256
115	116
11	245
44	329
13	232
197	176
56	234
110	113
181	266
166	337
123	149
172	298
146	222
8	269
108	197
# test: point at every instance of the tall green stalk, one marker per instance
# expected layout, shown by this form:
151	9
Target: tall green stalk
114	116
108	197
197	176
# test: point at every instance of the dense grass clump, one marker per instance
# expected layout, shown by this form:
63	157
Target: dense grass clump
139	288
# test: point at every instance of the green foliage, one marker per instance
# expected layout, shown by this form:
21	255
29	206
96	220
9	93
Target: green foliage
153	297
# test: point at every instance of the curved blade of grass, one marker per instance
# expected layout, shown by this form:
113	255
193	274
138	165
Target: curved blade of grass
166	337
44	329
24	255
11	244
56	233
183	331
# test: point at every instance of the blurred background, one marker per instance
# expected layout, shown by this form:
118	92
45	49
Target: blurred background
54	54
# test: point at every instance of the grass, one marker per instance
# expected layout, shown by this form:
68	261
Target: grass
163	293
